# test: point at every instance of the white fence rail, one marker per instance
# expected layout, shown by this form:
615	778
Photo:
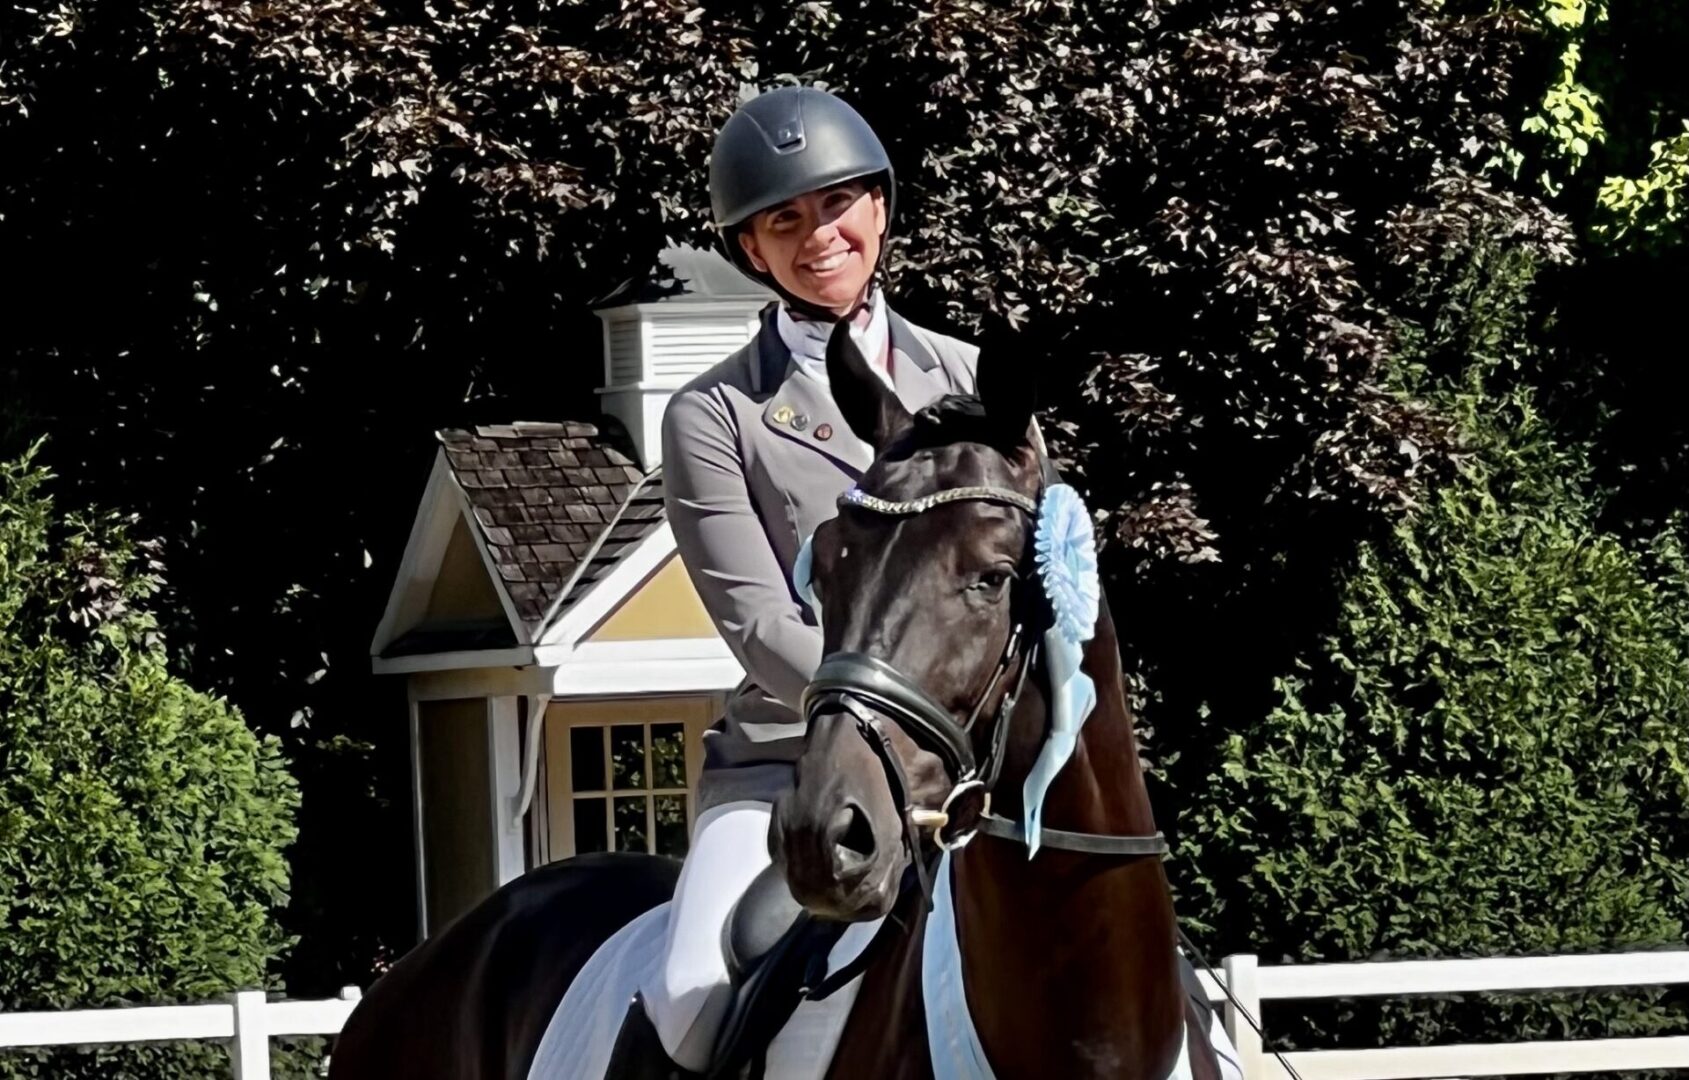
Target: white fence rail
1253	984
247	1022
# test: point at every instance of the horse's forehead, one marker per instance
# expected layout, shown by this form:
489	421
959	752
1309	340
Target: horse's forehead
936	468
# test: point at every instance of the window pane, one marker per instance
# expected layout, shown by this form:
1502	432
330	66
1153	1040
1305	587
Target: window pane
627	755
586	759
671	825
591	833
668	755
630	823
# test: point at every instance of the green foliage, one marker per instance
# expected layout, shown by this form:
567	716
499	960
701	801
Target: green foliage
324	228
1610	122
1650	210
1489	753
1568	117
142	825
1605	132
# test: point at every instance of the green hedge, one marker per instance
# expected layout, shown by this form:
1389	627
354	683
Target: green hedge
1486	757
142	825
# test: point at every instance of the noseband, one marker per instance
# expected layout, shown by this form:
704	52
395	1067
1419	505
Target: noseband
866	688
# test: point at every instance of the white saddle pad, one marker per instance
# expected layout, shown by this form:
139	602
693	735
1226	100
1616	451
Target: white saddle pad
583	1030
582	1033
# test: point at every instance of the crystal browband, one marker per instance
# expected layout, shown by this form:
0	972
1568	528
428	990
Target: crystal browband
858	497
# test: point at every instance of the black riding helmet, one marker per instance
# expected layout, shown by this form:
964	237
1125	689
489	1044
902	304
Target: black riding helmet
776	147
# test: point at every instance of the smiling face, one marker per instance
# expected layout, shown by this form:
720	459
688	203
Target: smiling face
821	246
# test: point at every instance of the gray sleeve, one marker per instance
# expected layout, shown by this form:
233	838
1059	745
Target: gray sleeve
727	553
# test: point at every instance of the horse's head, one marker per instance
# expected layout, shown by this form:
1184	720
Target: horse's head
926	612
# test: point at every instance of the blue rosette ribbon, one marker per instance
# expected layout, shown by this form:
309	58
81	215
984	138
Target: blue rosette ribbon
1066	557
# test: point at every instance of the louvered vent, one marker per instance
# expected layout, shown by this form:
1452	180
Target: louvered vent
657	339
626	355
684	345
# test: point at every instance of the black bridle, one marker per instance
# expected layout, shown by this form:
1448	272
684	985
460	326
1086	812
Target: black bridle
867	688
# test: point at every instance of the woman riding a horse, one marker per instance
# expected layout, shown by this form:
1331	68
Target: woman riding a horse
869	515
755	456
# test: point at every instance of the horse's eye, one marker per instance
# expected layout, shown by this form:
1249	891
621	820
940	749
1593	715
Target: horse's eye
991	581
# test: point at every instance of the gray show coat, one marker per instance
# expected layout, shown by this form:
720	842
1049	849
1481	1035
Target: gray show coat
746	478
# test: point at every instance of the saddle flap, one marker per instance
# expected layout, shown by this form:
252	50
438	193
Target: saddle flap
777	955
759	919
767	992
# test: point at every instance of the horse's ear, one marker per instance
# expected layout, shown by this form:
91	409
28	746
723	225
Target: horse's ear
870	408
1006	380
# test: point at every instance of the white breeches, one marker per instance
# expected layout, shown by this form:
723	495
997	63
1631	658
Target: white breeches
690	993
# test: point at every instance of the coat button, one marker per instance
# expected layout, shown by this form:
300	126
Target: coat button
783	415
824	432
800	422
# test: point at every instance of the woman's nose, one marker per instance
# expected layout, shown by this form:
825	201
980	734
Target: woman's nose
822	232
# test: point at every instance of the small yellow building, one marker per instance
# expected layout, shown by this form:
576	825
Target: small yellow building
560	668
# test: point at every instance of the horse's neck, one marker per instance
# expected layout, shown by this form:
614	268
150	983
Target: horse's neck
1069	959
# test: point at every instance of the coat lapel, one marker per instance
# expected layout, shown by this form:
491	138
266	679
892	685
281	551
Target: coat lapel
801	410
916	374
800	407
904	340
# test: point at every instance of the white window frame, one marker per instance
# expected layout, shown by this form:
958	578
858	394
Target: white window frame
693	712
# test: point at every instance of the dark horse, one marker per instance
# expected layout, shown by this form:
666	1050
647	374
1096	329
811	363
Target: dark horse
933	695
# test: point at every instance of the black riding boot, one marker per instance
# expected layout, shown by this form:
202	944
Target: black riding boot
639	1053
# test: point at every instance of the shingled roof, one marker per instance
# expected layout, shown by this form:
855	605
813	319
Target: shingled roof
545	497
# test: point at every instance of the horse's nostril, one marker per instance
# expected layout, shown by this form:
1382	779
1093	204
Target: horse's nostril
853	837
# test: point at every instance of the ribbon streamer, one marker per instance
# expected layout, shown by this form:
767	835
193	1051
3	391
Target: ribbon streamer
1067	566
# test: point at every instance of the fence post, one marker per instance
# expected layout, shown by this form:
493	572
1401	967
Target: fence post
250	1048
1240	978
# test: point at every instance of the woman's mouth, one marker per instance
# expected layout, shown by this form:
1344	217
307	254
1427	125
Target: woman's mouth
826	264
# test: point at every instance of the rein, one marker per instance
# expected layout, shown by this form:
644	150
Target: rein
863	686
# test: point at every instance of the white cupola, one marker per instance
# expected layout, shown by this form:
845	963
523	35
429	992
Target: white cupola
694	310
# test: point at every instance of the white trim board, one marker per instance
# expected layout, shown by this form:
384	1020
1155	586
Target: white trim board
590	669
419	839
504	784
646	650
604	595
749	306
466	660
661	666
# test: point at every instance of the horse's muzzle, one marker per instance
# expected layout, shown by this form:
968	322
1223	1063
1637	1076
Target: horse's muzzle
836	833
